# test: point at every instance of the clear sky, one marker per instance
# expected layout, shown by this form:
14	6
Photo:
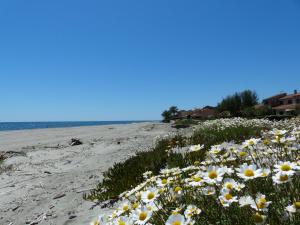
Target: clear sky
124	60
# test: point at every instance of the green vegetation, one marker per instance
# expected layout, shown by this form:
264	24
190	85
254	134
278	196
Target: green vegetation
238	102
184	123
239	176
125	175
128	174
169	114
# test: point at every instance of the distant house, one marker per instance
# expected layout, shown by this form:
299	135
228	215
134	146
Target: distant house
205	112
274	100
283	104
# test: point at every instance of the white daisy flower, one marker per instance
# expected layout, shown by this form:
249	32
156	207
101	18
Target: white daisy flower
246	201
259	219
260	204
251	142
124	207
153	206
265	172
163	182
208	190
100	220
176	219
191	210
215	149
281	178
248	172
196	180
295	207
277	132
195	148
231	184
226	198
123	220
286	167
141	215
150	195
214	174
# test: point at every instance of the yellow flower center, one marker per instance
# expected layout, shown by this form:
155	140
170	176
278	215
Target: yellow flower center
251	142
258	218
196	163
96	223
216	151
297	205
261	203
150	195
242	154
263	174
125	207
177	189
248	173
176	223
121	222
134	206
164	181
229	186
263	200
228	196
285	167
283	177
212	174
266	142
142	216
197	179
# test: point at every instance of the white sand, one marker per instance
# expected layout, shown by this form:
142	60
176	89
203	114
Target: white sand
27	192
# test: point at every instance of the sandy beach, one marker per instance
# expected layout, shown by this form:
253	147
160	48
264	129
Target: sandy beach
49	177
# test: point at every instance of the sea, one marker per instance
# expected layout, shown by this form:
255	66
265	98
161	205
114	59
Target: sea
7	126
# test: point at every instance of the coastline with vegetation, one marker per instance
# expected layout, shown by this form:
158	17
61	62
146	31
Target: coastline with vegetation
149	172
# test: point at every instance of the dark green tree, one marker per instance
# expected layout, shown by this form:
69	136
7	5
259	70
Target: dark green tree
238	102
169	114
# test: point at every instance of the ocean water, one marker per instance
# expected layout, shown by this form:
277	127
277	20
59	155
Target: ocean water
5	126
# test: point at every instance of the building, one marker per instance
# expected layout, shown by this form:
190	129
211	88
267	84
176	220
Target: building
202	113
284	104
274	101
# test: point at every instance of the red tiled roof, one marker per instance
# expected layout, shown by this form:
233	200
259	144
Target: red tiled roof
276	96
290	96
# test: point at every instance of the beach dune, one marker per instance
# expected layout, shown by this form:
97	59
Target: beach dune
49	176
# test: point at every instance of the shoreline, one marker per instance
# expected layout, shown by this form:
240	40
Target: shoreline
49	176
72	124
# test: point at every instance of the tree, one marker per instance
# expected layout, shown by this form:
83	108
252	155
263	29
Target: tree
173	110
248	98
169	114
166	116
238	102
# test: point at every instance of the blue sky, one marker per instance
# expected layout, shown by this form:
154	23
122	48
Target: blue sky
124	60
